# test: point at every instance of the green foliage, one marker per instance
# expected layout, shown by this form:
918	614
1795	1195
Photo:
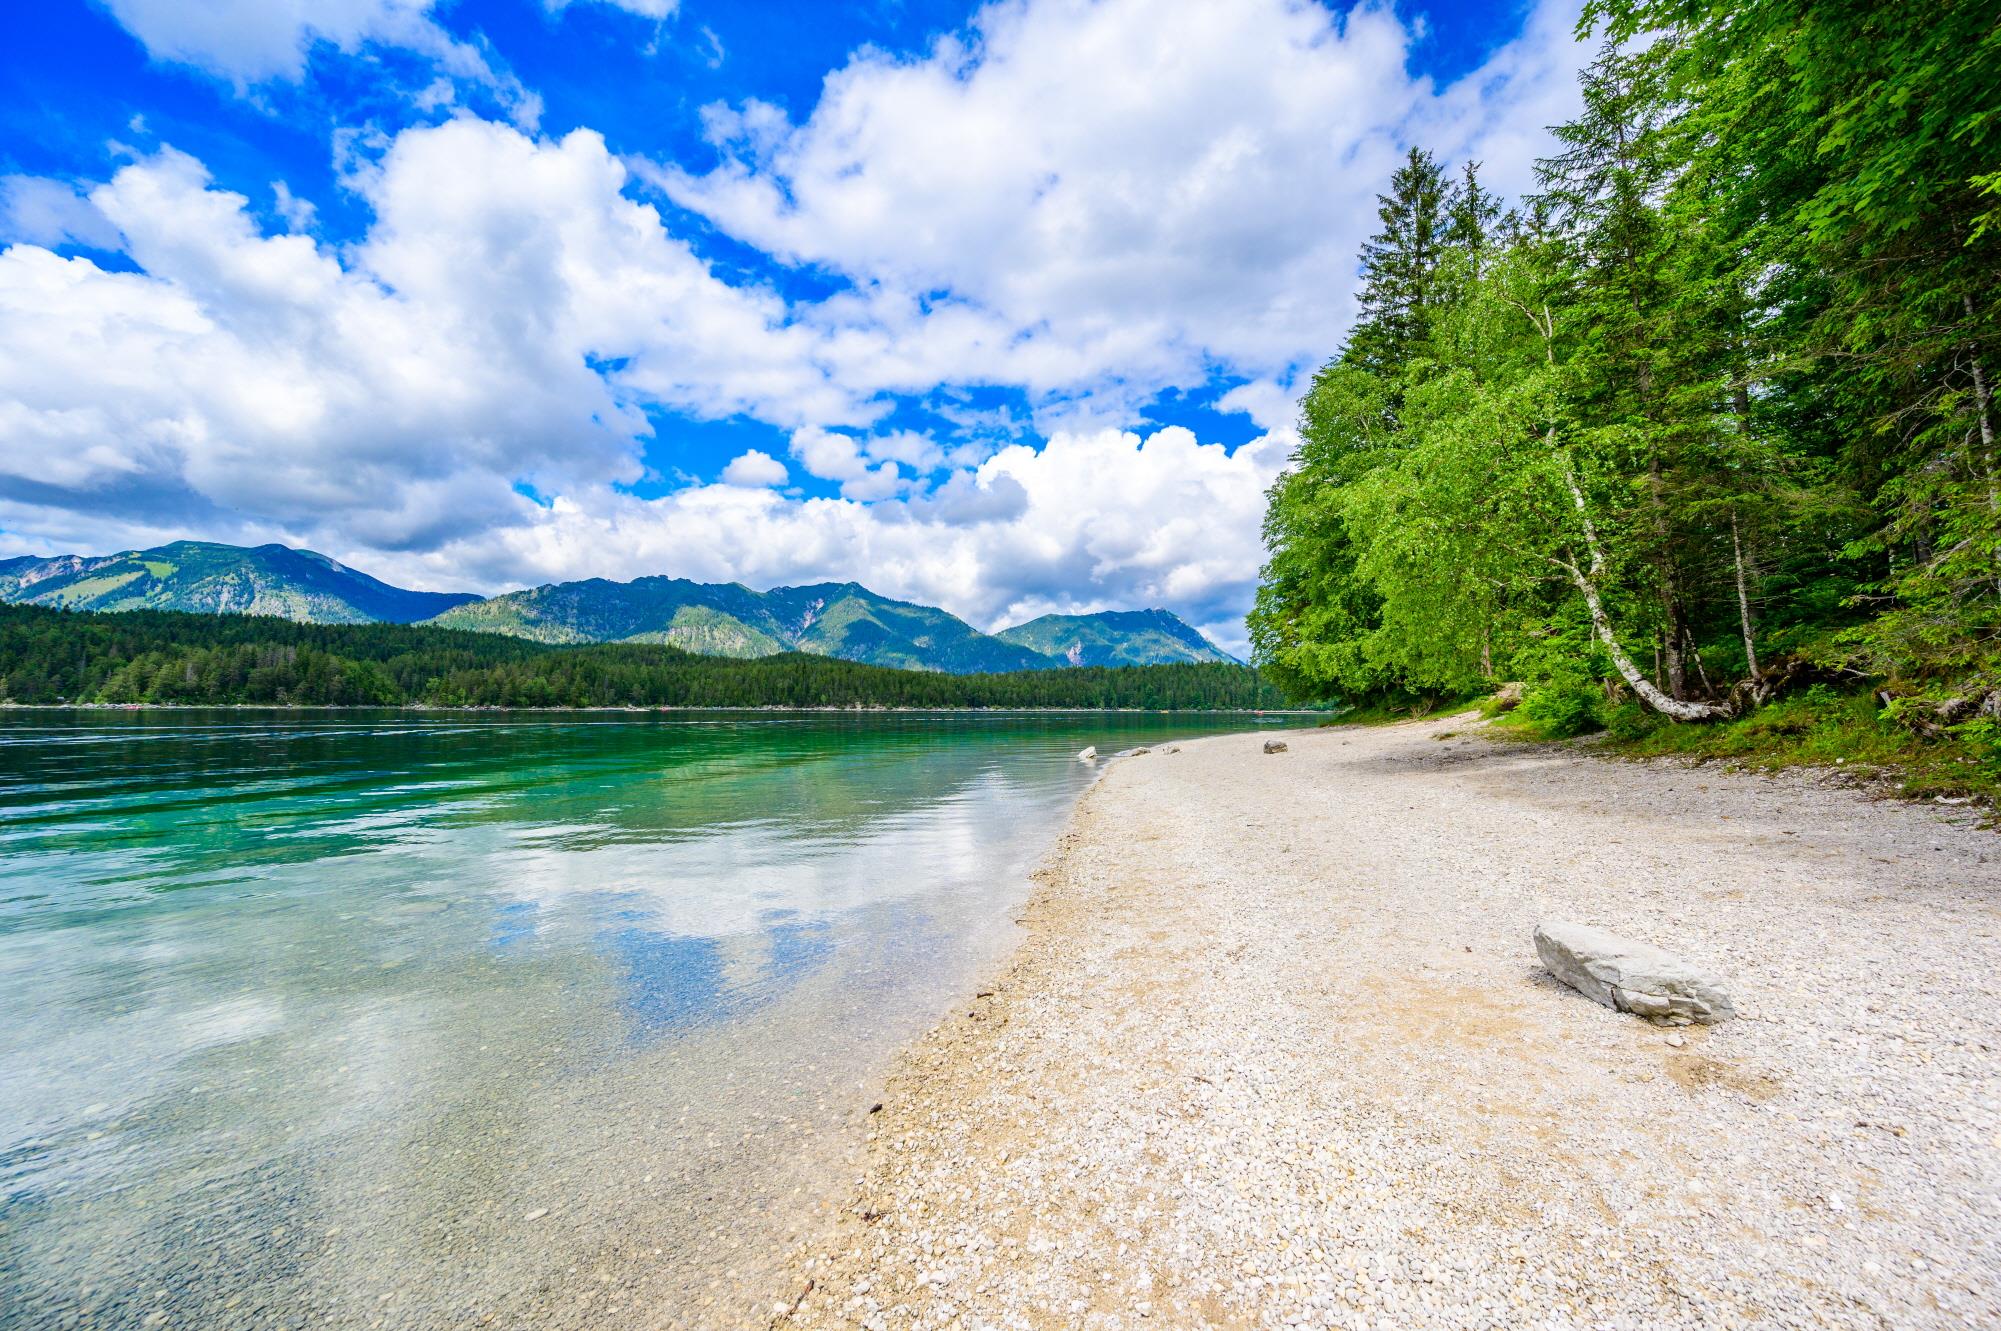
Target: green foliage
1563	706
1717	396
49	656
1628	721
1400	279
1471	212
1854	147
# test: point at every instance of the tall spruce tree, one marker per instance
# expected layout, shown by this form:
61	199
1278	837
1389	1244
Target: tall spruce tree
1471	213
1400	267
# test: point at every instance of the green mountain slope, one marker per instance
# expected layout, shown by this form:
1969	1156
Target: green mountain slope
204	577
719	619
1115	637
844	620
848	620
712	632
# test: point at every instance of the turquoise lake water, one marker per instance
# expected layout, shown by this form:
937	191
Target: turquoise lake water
399	1019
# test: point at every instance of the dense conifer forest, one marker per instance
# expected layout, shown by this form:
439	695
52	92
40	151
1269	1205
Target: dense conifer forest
150	656
1705	420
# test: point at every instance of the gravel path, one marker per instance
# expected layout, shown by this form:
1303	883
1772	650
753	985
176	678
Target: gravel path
1276	1052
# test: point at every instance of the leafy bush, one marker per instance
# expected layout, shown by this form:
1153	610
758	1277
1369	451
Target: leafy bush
1630	721
1563	705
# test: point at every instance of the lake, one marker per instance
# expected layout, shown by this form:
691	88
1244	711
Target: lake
419	1020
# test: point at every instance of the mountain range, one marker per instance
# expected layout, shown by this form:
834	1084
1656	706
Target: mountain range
1114	638
220	580
844	620
726	619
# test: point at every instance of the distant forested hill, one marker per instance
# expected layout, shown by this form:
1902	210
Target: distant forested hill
1115	637
219	579
49	656
841	619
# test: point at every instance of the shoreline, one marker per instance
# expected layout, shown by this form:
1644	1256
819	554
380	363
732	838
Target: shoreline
1275	1049
648	711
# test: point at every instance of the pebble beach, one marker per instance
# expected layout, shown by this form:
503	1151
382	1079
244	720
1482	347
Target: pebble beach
1276	1051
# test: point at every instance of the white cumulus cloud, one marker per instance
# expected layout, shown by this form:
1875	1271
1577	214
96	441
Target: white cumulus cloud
1113	196
254	41
392	394
755	467
251	42
1082	204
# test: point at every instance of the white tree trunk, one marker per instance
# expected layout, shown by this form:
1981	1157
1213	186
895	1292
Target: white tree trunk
1587	583
1658	699
1743	600
1983	401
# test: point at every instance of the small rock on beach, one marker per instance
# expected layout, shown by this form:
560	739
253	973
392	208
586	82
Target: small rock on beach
1630	976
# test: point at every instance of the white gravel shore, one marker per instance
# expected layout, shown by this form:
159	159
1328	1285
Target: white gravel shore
1277	1052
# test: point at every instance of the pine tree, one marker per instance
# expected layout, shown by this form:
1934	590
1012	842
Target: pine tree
1472	212
1400	267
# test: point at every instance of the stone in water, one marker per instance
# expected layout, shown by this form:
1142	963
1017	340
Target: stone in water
1088	755
1630	976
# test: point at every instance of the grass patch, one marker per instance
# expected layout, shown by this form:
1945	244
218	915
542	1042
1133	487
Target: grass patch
1820	727
93	587
1825	728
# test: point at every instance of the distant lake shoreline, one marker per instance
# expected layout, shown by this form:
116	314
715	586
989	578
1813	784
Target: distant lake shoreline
643	711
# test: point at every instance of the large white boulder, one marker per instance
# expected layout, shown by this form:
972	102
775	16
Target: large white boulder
1630	976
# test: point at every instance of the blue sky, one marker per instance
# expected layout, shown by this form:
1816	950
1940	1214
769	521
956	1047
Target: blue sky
1004	308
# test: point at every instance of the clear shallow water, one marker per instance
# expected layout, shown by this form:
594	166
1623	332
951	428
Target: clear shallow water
349	1019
